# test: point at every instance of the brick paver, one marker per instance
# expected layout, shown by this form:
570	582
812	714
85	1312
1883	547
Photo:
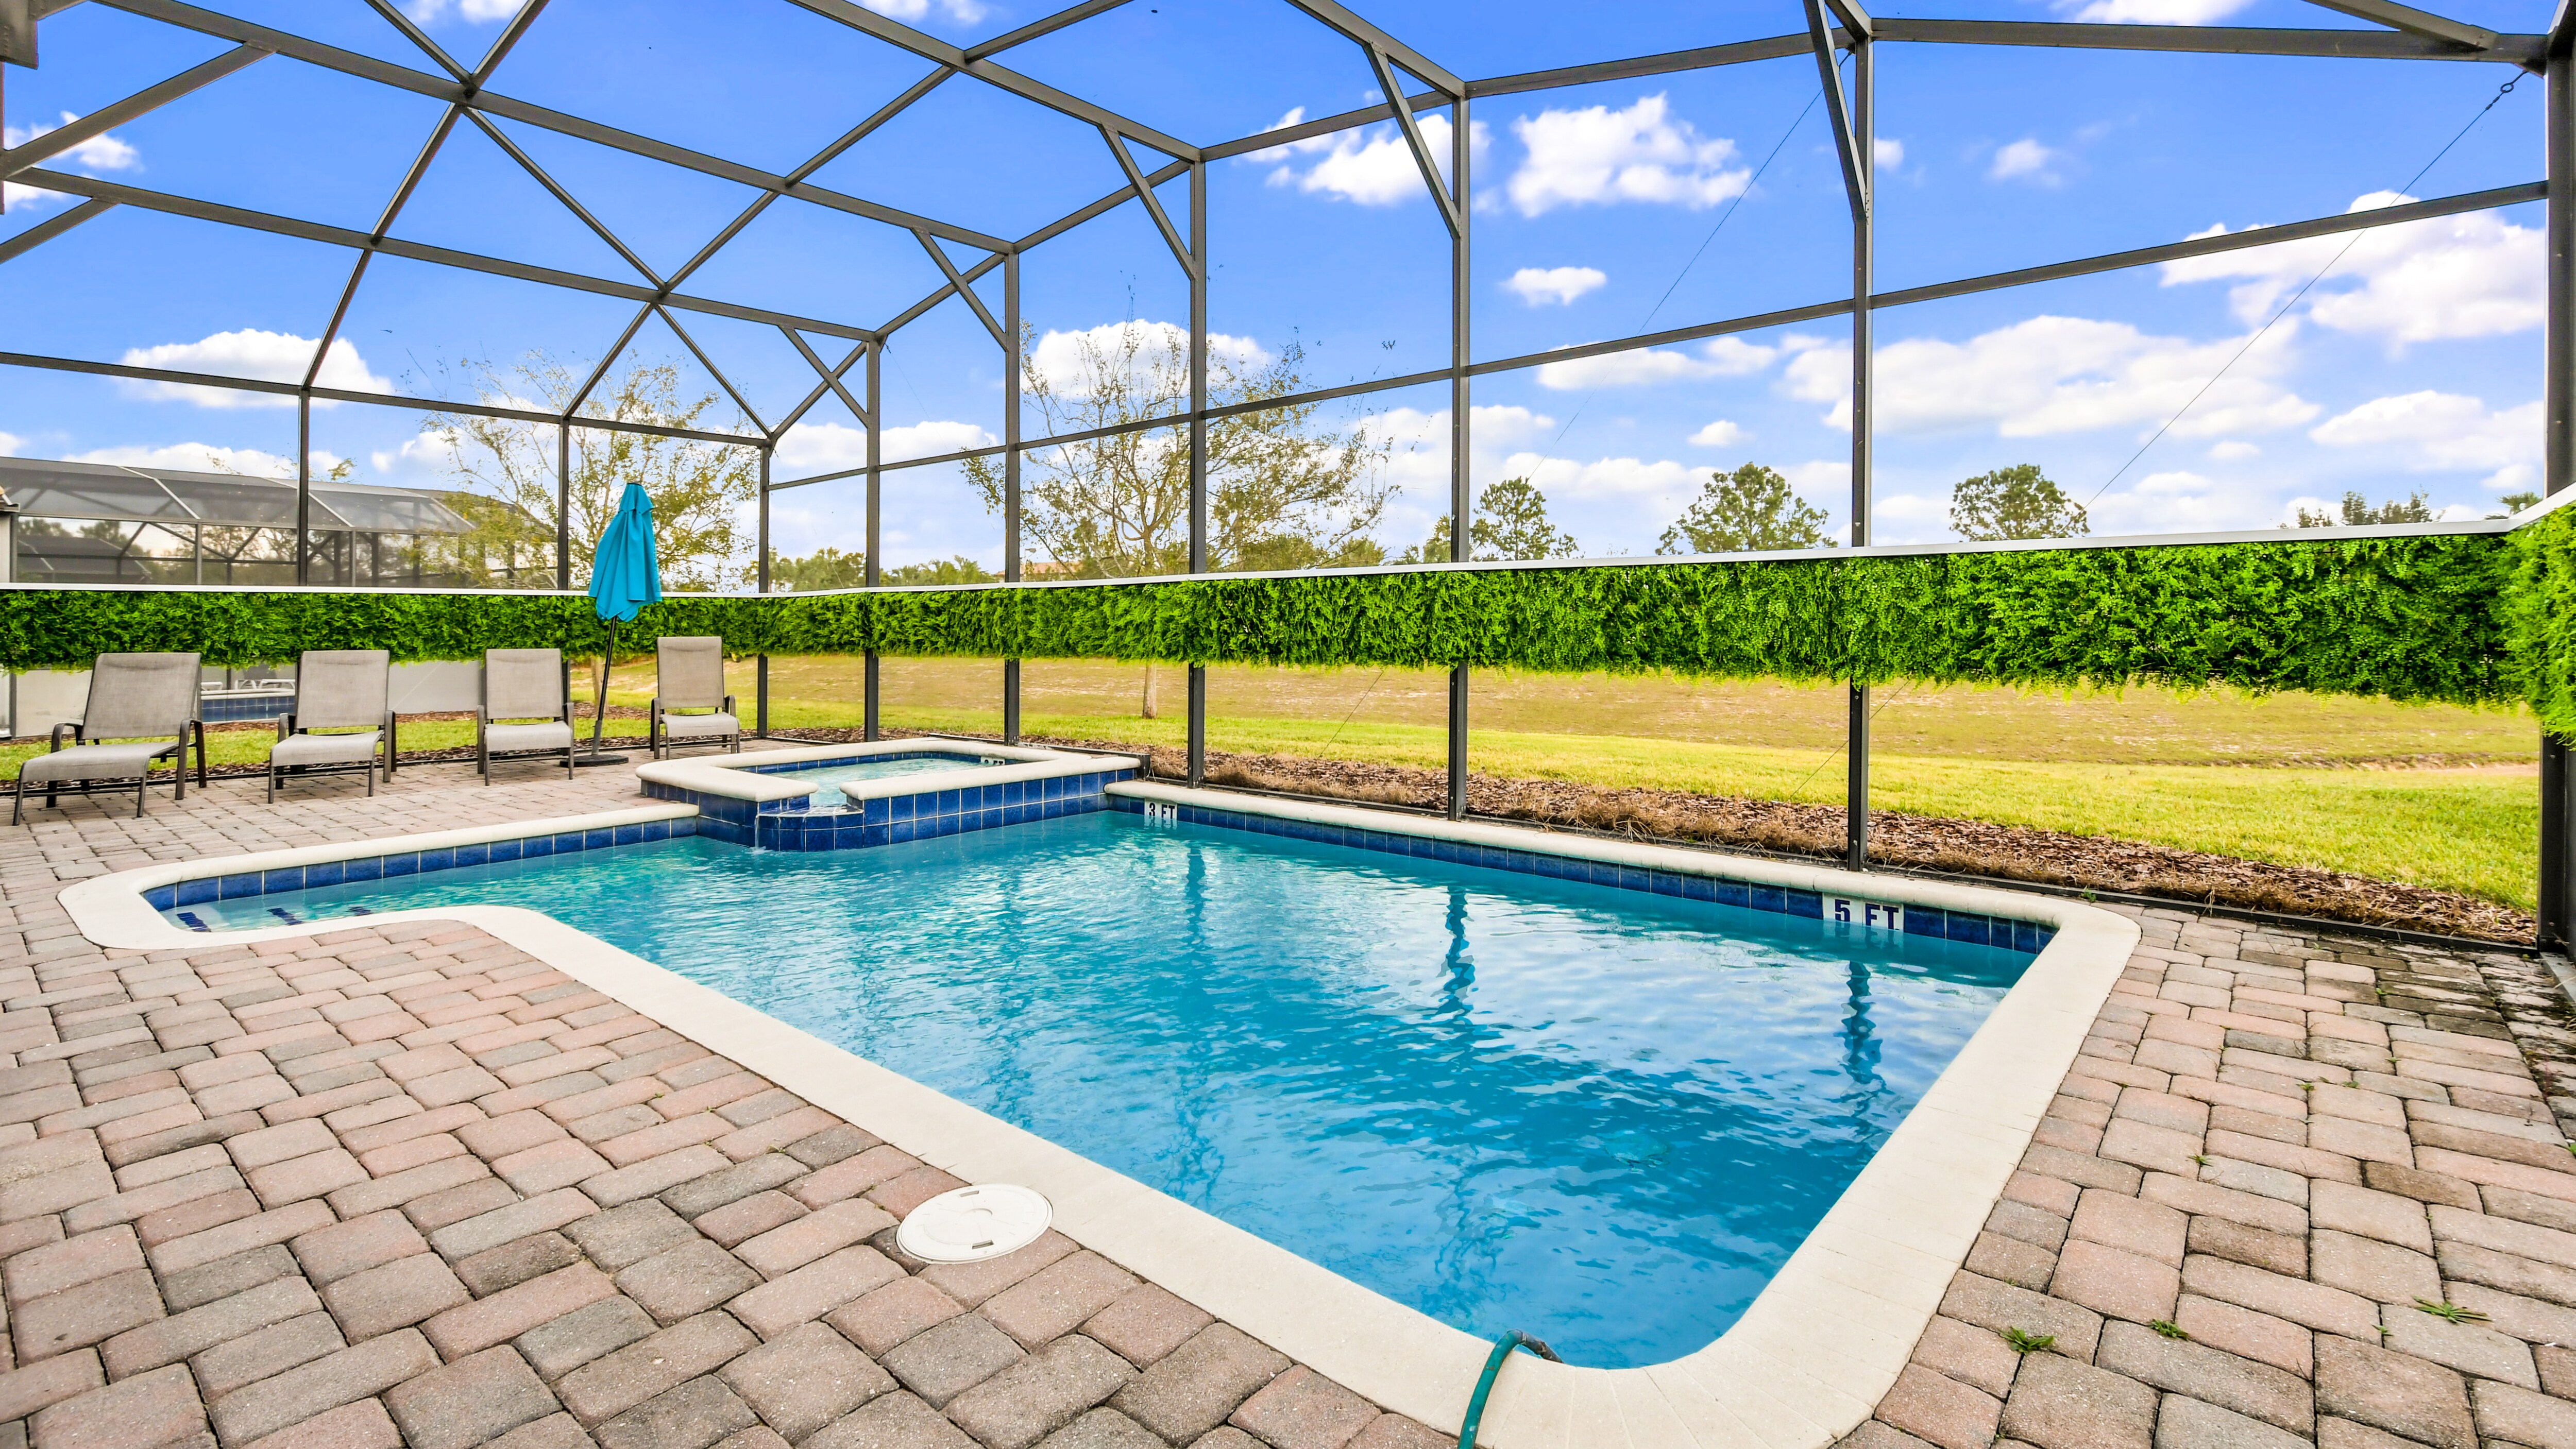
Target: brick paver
2276	1154
406	1186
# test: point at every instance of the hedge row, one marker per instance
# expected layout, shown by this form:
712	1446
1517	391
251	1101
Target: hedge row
2469	619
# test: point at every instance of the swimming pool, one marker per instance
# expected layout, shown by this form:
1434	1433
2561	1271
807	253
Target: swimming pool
827	779
1600	1115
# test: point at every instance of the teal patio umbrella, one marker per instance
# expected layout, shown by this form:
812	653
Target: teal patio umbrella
624	577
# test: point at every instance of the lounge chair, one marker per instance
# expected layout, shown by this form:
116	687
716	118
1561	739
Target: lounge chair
336	689
147	705
688	673
522	684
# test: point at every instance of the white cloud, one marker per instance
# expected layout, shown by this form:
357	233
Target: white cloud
268	356
1887	151
2473	275
2438	431
2232	450
1721	357
834	447
2026	159
2154	12
1065	358
103	152
1370	165
1597	156
1571	480
1719	434
2053	375
203	458
2177	481
10	443
1560	285
479	12
964	12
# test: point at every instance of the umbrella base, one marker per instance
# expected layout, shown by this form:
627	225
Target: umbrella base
580	760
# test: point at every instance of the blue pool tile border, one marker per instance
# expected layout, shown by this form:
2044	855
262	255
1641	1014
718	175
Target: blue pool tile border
2026	937
895	819
798	767
355	871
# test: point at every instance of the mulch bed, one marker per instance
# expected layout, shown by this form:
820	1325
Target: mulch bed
1960	847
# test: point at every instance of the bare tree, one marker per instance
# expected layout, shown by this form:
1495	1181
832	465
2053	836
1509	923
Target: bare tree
1283	491
697	487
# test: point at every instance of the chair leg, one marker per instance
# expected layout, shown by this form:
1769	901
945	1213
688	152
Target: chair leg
272	784
371	778
18	803
141	787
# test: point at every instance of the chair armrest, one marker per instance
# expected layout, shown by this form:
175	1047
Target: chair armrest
285	726
729	709
58	736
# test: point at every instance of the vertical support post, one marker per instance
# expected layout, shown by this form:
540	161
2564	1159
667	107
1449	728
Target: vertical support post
760	721
2558	465
1864	213
1011	479
1460	413
869	573
304	488
1198	447
563	505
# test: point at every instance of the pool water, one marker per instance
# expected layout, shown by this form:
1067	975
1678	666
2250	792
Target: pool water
827	781
1601	1116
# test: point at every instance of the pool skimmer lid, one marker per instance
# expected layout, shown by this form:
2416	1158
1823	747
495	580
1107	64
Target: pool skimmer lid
974	1223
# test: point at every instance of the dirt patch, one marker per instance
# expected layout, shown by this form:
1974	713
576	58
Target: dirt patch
1963	847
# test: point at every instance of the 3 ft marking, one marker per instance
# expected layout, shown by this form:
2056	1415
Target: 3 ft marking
1160	814
1868	915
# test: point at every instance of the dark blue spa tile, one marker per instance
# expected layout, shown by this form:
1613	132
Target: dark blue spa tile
1967	927
400	863
1804	903
290	878
2029	937
364	868
657	830
573	842
726	831
507	850
234	887
199	891
1927	921
163	898
900	832
1734	893
871	836
473	854
877	811
1667	883
630	834
1768	898
328	873
535	846
436	860
602	839
1699	888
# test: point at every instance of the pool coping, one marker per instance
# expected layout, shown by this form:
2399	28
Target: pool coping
1805	1364
741	777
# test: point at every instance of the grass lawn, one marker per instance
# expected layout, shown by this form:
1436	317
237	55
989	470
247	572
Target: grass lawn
2448	797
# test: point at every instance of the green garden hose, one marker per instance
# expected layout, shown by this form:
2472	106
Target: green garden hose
1512	1338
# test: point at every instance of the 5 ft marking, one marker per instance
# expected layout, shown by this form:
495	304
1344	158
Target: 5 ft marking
1867	914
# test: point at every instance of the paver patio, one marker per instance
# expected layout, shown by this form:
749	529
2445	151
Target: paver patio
406	1185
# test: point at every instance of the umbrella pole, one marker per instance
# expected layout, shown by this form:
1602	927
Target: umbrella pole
599	702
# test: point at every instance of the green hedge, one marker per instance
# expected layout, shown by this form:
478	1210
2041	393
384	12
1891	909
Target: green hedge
2420	618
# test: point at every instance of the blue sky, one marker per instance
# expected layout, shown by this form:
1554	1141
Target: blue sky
1600	211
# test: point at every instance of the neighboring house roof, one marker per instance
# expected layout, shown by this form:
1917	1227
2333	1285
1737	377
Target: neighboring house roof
47	488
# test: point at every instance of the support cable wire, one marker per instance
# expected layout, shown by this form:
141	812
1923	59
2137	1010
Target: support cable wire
1723	218
2406	190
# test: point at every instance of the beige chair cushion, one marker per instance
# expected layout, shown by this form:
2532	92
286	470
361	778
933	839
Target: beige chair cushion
700	726
554	734
96	762
325	749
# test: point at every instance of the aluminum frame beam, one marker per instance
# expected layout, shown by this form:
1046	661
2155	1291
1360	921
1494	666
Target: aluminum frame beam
1341	18
52	227
1143	190
1412	129
1042	26
958	285
2412	21
372	399
469	92
106	118
341	236
2524	50
930	47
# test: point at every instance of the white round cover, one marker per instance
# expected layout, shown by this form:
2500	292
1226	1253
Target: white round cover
974	1223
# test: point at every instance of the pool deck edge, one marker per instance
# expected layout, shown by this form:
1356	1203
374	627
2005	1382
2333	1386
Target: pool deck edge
1806	1364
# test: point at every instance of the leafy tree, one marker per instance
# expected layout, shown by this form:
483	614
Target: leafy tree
1510	522
2014	502
2357	511
1749	510
1281	490
697	488
829	568
2516	502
